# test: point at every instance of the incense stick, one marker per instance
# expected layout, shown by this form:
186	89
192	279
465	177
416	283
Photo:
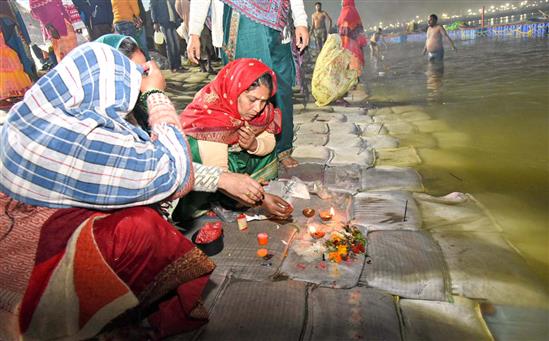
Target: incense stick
405	210
455	176
381	127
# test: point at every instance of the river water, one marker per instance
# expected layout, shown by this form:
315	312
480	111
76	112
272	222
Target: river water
494	96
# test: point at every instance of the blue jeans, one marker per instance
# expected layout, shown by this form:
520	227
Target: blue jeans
172	46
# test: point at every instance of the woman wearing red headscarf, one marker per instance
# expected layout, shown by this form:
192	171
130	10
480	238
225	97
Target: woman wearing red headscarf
352	33
231	124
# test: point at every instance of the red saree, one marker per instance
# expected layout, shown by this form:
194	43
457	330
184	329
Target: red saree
351	30
92	267
213	114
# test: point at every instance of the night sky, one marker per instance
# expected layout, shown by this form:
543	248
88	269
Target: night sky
391	11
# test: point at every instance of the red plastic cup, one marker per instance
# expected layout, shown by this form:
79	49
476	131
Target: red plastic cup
262	238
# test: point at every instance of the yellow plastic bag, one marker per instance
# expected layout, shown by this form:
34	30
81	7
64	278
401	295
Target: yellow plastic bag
332	78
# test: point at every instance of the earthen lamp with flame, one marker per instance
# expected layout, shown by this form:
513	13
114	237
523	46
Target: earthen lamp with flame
316	234
327	215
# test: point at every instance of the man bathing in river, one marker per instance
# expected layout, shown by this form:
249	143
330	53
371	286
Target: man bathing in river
433	44
318	27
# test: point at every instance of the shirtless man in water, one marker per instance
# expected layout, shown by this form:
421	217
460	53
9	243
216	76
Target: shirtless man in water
318	27
375	41
433	44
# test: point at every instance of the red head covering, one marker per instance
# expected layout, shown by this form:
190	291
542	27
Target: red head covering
351	30
213	114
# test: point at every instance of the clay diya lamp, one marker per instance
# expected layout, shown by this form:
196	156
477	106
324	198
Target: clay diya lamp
262	253
308	212
316	234
327	215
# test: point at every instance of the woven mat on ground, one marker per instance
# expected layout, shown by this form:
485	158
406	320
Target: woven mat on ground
353	314
344	141
343	128
350	110
391	178
406	263
307	172
372	129
358	118
404	156
313	139
428	320
346	178
331	117
382	141
484	266
305	118
357	156
454	212
258	311
515	323
313	127
239	254
312	154
386	211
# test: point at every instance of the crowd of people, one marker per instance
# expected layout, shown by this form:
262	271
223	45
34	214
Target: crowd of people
92	149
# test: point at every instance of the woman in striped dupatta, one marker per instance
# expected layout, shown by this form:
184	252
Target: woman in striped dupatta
80	250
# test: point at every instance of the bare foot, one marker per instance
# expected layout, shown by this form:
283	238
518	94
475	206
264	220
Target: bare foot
289	162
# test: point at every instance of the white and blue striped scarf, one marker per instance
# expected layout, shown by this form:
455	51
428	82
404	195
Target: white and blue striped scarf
67	143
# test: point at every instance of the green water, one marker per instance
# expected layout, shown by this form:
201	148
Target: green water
494	95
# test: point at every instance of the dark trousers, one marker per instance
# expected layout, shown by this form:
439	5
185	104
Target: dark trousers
172	46
98	30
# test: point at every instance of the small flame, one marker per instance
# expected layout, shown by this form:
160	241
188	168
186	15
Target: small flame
312	229
332	211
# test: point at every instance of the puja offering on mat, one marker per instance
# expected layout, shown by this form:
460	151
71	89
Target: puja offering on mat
242	222
262	238
345	244
315	232
262	252
308	212
327	215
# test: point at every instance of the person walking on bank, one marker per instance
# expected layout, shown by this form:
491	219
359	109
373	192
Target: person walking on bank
166	19
352	34
128	21
98	16
318	19
55	24
256	32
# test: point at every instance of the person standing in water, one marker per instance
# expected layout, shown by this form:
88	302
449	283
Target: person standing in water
375	40
318	27
433	44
